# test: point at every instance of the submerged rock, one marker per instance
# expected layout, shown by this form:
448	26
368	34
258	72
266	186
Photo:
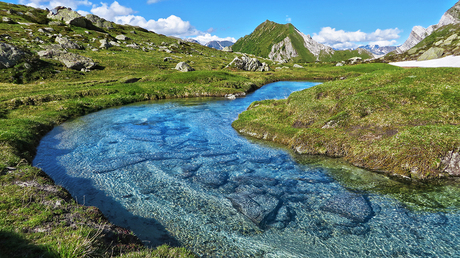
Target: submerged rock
260	208
351	206
213	179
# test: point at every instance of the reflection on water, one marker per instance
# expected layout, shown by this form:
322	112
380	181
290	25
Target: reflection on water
175	171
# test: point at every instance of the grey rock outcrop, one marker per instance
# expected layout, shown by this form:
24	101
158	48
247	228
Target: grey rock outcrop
70	60
249	64
100	22
297	66
68	16
432	53
65	42
184	67
10	55
227	49
104	44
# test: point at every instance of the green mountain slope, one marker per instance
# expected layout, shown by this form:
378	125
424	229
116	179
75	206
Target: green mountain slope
285	42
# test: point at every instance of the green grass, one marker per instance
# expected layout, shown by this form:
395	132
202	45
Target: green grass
400	122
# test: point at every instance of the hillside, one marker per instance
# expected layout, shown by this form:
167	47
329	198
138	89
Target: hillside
284	42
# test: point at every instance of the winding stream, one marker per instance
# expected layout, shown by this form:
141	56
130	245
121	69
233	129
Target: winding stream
177	172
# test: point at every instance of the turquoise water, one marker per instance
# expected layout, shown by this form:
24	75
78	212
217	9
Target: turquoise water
177	172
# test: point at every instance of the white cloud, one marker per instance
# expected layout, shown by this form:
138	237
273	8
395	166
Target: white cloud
152	1
205	38
341	39
54	3
111	12
172	26
288	19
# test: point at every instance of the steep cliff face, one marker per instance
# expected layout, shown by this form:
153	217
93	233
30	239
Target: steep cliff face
283	51
452	16
314	47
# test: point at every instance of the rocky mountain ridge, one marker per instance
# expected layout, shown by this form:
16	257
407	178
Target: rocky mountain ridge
219	45
452	16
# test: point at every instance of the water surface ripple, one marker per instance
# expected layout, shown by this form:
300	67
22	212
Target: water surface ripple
176	171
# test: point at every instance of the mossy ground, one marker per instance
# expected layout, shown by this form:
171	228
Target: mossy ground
401	122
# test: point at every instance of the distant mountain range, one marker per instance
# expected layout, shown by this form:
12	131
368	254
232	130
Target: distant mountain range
377	50
219	44
284	42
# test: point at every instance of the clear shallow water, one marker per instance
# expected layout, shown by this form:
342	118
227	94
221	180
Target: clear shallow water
177	172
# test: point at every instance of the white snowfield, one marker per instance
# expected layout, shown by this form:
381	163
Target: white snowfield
448	61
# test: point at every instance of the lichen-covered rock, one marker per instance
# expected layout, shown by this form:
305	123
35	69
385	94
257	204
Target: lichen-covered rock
227	49
68	16
70	60
65	42
432	53
100	22
104	44
184	67
10	55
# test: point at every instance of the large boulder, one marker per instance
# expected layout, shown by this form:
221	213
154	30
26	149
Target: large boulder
248	64
184	67
68	16
10	55
70	60
432	53
100	22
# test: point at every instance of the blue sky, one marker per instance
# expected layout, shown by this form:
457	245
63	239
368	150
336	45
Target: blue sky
340	24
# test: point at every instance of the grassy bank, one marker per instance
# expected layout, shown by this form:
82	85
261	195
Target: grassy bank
399	122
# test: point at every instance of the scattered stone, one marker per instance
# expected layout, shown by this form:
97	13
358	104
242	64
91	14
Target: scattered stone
122	37
167	59
10	55
230	96
298	66
113	43
432	53
184	67
249	64
8	20
355	60
67	43
133	45
104	44
339	64
350	205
